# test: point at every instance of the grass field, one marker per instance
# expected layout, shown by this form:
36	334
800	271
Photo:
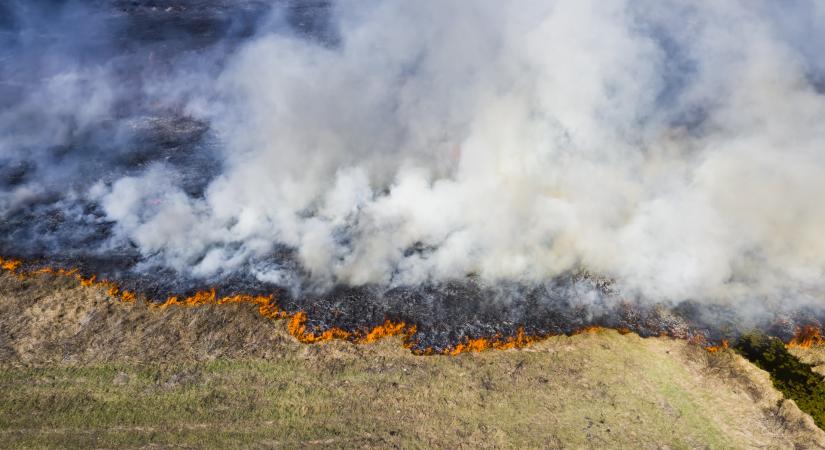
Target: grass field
584	391
80	371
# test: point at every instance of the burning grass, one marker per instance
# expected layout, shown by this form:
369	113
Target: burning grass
718	348
267	307
299	323
806	337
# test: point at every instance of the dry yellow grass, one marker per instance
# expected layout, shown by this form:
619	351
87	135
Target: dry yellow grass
80	370
814	355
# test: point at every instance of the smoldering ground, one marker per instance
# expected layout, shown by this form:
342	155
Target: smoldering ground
468	168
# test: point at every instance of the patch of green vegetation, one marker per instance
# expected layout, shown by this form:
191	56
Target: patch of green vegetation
795	379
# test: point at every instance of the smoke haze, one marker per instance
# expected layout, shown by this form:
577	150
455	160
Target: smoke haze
672	146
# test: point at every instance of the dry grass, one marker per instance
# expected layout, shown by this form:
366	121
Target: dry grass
79	371
814	355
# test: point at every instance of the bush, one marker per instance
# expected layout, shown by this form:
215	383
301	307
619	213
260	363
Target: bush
790	376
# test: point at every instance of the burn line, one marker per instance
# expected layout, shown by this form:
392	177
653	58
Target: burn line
267	307
298	328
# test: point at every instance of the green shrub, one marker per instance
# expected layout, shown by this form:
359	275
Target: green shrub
790	376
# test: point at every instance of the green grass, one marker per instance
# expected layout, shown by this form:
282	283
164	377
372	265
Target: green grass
218	404
795	379
585	391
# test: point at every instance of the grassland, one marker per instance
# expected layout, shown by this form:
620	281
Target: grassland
77	370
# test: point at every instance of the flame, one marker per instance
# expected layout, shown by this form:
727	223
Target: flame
717	348
807	337
297	322
10	264
265	303
386	329
589	329
497	342
297	327
267	307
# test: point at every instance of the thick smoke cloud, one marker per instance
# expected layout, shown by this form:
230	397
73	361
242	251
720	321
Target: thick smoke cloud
676	147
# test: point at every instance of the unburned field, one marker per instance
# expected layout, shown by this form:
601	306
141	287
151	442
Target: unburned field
78	370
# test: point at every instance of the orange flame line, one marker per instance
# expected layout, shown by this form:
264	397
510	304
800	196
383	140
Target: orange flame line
807	337
266	307
297	322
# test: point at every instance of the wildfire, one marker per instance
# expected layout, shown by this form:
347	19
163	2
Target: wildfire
267	307
265	303
297	322
717	348
298	327
520	340
10	265
807	337
590	329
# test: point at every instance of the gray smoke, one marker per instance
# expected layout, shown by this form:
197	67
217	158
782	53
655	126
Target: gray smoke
674	146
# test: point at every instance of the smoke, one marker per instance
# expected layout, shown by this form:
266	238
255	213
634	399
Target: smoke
675	147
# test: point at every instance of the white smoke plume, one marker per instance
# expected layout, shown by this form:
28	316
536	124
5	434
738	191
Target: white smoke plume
675	146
